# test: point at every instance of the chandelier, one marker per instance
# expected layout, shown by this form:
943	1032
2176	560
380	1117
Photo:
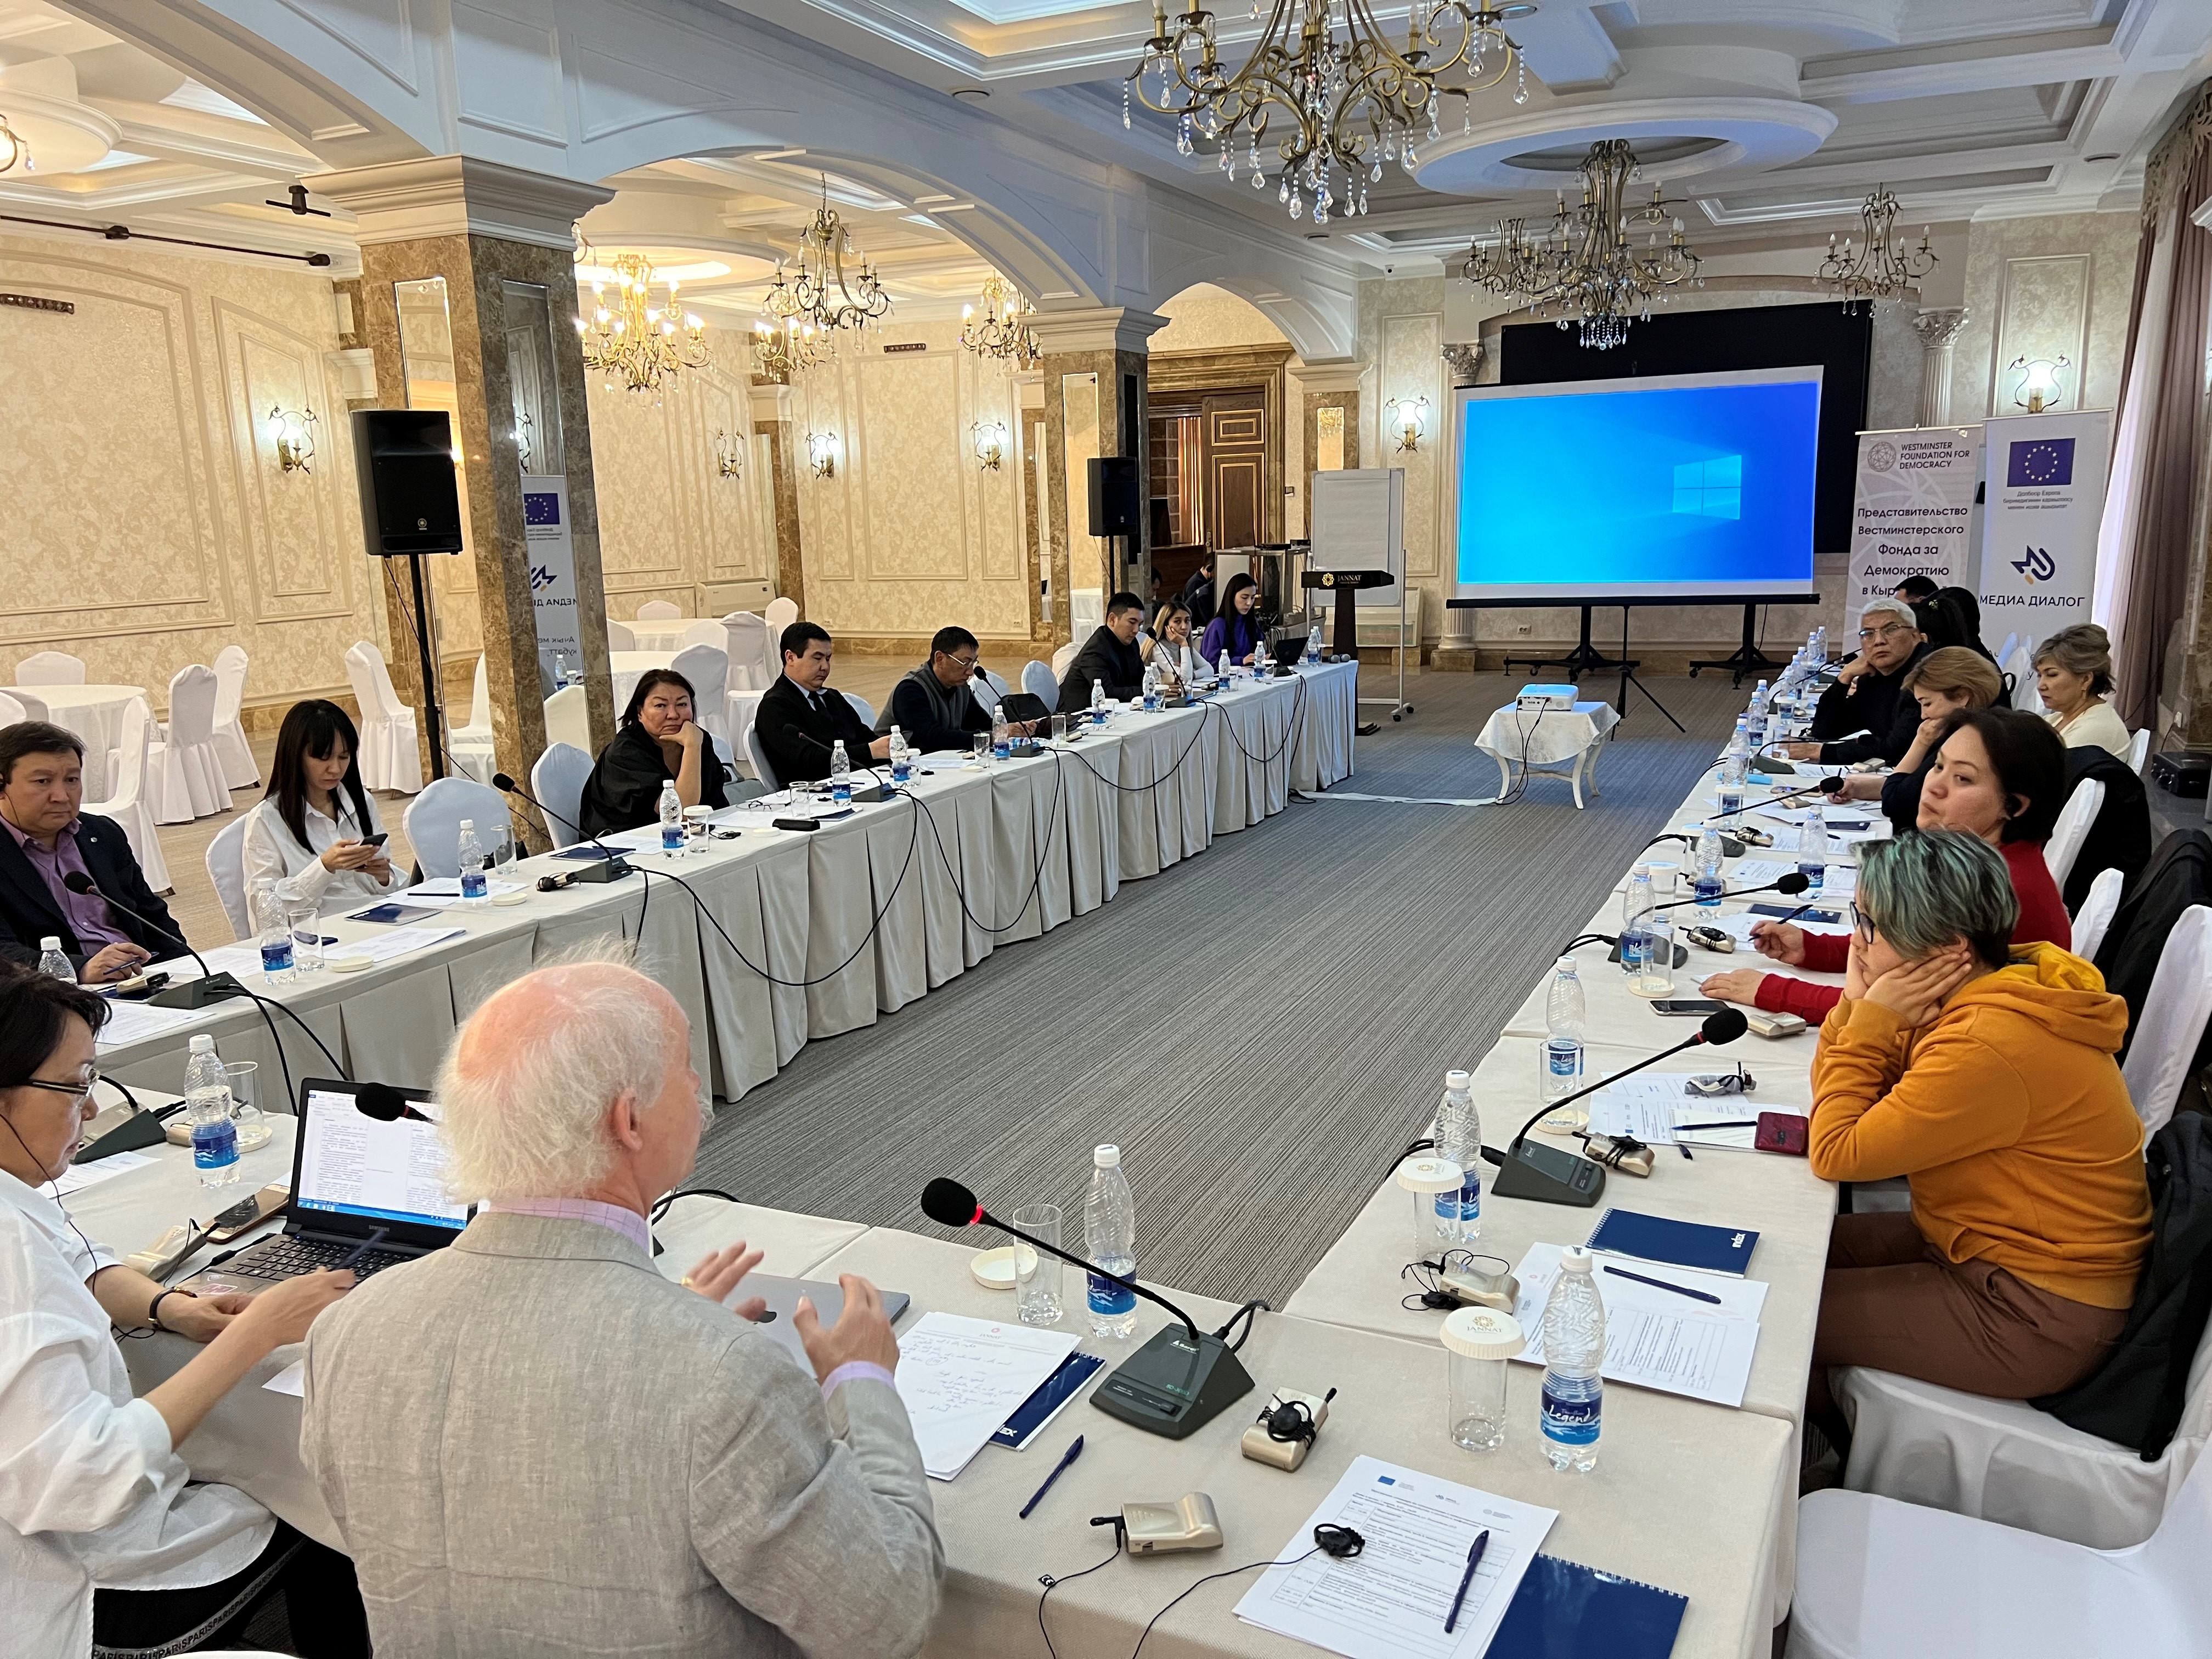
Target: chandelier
634	341
1001	329
1585	266
1349	100
821	293
784	348
1881	269
12	149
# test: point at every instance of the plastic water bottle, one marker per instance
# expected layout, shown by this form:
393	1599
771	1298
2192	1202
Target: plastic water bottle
1733	765
1566	1019
275	928
1574	1363
52	959
902	758
1002	741
1636	919
1706	858
1109	1239
1459	1141
841	778
1813	845
1098	703
207	1109
1223	667
1756	721
560	670
1313	643
1152	687
469	854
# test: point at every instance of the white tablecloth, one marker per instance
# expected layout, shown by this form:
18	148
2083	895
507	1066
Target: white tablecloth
666	635
1548	738
94	713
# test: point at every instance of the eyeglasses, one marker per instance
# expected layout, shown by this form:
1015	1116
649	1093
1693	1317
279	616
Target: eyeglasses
76	1091
1870	635
965	664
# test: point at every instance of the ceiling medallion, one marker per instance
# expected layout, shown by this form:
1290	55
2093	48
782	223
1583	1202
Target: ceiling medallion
1351	99
634	342
1000	328
1584	267
820	292
1881	269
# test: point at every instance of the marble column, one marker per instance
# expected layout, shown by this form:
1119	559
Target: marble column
1107	344
1939	333
1329	394
771	400
494	234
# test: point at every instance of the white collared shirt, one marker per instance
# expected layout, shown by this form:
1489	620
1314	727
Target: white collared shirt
300	876
91	1491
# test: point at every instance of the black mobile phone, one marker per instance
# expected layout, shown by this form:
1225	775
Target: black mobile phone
389	912
248	1213
1688	1008
376	840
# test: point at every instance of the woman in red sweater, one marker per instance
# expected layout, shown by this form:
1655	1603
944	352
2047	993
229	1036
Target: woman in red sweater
1999	774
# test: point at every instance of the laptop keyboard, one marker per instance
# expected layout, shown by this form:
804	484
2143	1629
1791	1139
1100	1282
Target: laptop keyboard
288	1258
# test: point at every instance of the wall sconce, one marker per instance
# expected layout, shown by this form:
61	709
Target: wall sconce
990	443
2039	382
524	431
729	455
12	149
1412	415
821	449
292	432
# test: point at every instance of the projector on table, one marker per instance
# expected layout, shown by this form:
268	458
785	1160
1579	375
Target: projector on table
1542	697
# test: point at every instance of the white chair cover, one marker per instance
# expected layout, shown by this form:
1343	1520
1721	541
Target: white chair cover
558	779
2139	750
1061	657
33	705
753	663
187	780
2173	1021
568	720
658	610
782	613
389	758
2094	918
239	771
1879	1579
707	668
619	636
2025	694
866	711
1039	681
2072	830
225	868
12	711
50	668
433	822
758	756
127	774
471	744
2005	650
708	633
988	688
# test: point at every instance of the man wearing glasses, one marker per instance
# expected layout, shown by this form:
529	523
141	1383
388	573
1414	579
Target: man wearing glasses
934	706
1873	706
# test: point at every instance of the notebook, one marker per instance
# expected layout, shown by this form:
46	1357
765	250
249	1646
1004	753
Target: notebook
1563	1610
1041	1408
1676	1244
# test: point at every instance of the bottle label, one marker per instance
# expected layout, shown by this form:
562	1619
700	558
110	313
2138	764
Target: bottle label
841	792
1470	1198
671	837
276	957
1815	873
1731	799
215	1145
473	885
1570	1421
1109	1299
1635	947
1709	892
1002	749
901	769
1563	1059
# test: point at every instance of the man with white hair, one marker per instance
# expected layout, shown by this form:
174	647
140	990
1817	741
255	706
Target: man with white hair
1867	714
534	1444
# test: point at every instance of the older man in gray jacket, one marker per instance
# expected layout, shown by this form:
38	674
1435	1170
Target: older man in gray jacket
534	1444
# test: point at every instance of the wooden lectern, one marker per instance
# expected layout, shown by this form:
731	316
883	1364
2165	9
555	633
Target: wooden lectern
1344	583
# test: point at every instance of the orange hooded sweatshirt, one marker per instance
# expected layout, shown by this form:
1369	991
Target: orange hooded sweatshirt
2008	1114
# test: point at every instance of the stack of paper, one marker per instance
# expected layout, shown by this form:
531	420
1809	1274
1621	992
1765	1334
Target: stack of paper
137	1022
960	1379
1656	1337
439	894
398	942
1654	1109
78	1176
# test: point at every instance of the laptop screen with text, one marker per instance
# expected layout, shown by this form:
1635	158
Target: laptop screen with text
353	1165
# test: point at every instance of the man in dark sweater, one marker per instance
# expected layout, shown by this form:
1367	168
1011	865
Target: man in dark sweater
935	707
1108	658
1871	703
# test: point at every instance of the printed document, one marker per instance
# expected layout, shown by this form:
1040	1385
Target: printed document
960	1379
1655	1338
78	1176
1391	1600
139	1022
1654	1108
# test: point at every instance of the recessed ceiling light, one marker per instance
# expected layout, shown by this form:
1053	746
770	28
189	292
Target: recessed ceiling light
973	92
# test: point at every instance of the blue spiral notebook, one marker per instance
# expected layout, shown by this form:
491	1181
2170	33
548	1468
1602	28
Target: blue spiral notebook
1674	1243
1563	1610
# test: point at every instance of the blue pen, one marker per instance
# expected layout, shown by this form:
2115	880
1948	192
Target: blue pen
1065	1458
1473	1560
1662	1285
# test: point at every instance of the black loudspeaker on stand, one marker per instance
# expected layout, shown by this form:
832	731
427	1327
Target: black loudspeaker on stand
410	505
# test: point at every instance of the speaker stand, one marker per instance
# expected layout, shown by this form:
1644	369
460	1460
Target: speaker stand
432	710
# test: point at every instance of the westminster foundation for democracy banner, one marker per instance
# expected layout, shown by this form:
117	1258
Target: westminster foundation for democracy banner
2044	495
1913	510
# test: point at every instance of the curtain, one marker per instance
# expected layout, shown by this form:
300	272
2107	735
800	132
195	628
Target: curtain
2164	375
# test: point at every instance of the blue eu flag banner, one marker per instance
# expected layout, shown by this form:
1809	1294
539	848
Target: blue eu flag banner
544	507
2039	461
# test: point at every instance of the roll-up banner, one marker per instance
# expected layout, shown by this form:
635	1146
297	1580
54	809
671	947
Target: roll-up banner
2044	495
1912	512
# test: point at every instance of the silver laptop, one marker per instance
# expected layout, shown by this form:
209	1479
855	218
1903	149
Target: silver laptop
782	1298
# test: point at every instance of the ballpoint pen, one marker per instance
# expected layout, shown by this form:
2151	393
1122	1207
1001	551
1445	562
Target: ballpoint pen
1661	1284
1065	1458
361	1250
1734	1124
1473	1560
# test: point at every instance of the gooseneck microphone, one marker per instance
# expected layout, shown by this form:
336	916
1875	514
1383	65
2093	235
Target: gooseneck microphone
616	866
1827	786
1797	881
1173	1385
1550	1174
192	994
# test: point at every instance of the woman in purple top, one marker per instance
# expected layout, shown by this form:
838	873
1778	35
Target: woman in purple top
1234	628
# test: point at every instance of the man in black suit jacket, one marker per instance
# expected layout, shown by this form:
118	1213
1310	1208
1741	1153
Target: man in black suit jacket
800	717
46	837
1108	658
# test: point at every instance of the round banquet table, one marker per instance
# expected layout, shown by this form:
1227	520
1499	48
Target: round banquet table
666	634
94	713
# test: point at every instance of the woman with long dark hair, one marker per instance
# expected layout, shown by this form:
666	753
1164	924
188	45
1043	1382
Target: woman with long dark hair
657	741
1236	627
311	834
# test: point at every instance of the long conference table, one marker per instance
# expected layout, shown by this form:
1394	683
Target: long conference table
1695	1498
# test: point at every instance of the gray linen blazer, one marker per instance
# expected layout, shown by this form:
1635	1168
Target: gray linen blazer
534	1444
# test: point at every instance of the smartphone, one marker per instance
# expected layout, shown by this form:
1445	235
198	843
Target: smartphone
392	913
376	840
248	1213
1688	1008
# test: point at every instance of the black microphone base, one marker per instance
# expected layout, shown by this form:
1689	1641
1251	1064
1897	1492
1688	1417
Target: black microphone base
1768	766
1166	1387
1548	1174
199	993
610	869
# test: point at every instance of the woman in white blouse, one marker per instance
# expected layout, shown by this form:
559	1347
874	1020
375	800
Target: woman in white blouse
102	1537
1172	649
310	836
2073	673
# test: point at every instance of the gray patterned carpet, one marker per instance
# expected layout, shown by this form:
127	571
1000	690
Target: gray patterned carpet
1261	1029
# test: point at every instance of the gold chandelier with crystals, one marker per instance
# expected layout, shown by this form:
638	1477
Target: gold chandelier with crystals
1880	269
1348	97
1000	327
820	292
1587	266
635	342
781	350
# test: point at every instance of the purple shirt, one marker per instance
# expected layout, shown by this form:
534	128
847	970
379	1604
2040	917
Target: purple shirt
89	918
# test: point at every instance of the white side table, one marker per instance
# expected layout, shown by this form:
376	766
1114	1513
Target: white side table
1557	740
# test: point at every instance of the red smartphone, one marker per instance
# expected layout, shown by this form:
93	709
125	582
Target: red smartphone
1781	1132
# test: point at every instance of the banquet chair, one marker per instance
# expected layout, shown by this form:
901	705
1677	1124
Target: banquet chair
780	614
433	822
558	779
1061	657
2163	1046
187	772
1881	1579
231	748
988	689
50	668
389	758
2139	750
753	661
2095	919
12	711
32	705
2075	820
658	610
2025	694
568	719
758	756
1038	680
619	636
2012	641
708	632
225	868
127	804
707	668
866	711
471	744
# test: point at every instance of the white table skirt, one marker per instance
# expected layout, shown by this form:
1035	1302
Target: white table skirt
94	713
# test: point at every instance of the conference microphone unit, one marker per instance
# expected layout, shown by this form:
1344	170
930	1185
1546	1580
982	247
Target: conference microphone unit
1176	1383
193	993
615	867
1827	786
1797	881
1551	1174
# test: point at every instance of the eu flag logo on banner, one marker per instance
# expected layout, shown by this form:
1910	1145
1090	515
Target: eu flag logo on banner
544	507
2040	461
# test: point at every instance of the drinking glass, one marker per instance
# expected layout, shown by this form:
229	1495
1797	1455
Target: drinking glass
982	748
1060	728
253	1124
306	921
1037	1275
696	830
1478	1342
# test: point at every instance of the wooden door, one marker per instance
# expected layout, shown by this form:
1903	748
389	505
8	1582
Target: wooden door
1235	435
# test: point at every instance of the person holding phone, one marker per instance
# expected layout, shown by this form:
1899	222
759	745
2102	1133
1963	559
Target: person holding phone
316	835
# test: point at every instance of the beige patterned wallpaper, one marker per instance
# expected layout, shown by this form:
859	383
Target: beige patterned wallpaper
148	526
2041	288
